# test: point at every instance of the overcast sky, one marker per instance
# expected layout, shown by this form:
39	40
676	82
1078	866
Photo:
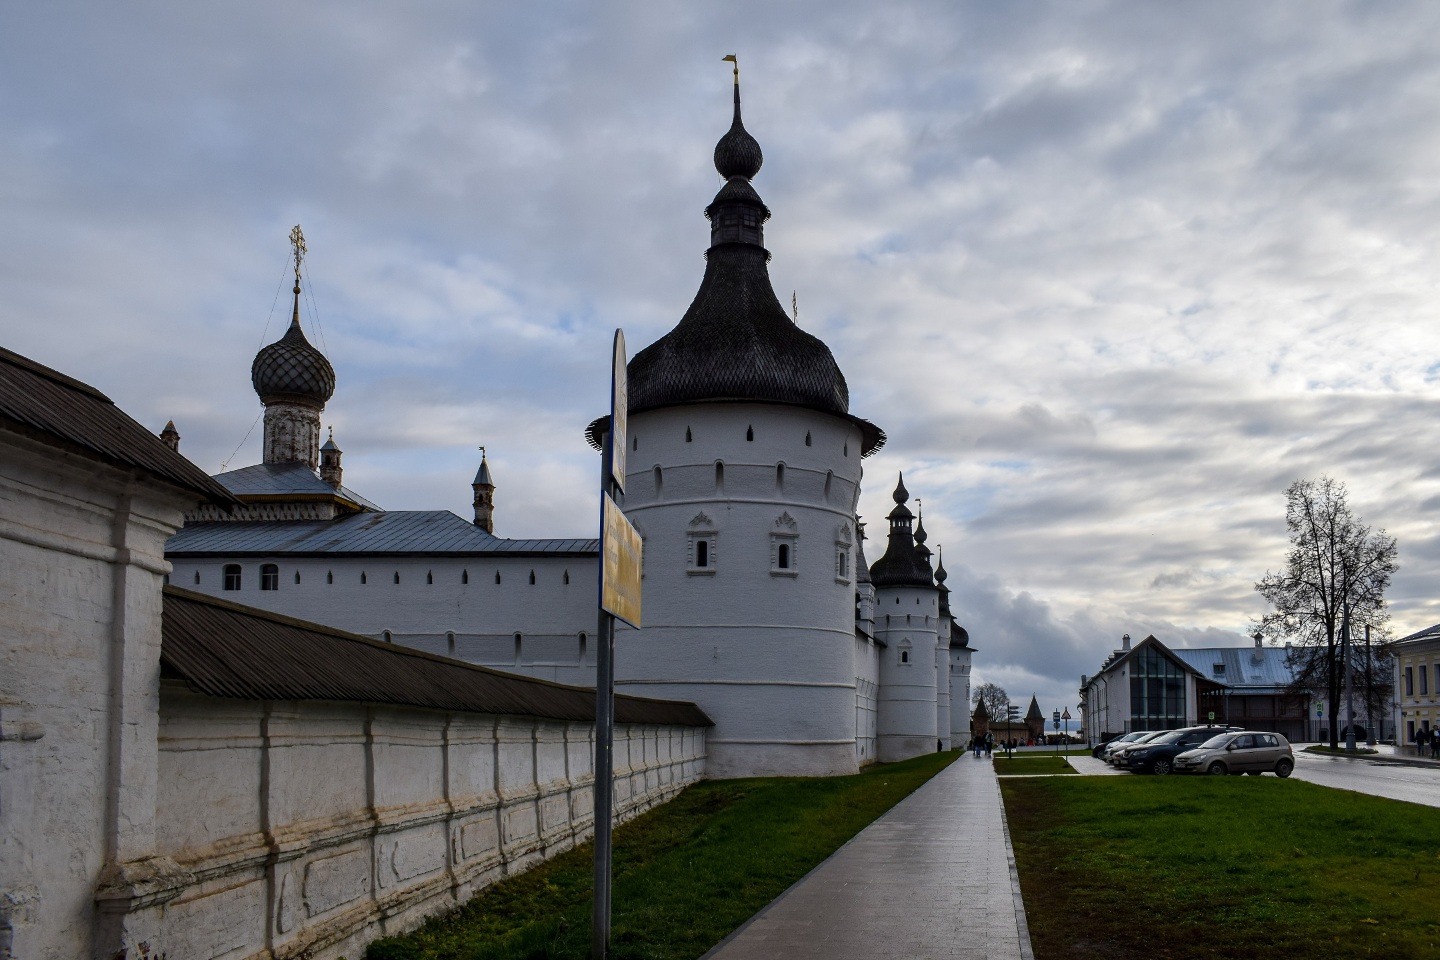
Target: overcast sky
1111	275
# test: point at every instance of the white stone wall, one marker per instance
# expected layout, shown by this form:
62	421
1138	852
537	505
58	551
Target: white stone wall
449	606
766	652
867	699
81	561
942	684
959	696
906	620
312	828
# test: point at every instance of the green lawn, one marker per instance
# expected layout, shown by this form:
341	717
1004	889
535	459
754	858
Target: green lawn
1031	765
686	873
1201	867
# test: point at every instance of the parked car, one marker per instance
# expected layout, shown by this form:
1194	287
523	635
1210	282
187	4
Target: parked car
1100	747
1124	740
1120	757
1158	756
1248	751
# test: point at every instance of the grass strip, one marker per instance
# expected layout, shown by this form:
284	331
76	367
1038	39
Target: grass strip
1138	868
685	874
1032	766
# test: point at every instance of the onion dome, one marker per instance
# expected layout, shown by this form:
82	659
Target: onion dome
903	564
738	154
736	342
291	370
959	636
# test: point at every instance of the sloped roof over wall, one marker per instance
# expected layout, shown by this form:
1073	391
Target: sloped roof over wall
224	649
49	406
1242	667
392	533
292	480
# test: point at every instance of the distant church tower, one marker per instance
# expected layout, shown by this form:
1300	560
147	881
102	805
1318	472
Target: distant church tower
907	616
484	488
743	478
294	381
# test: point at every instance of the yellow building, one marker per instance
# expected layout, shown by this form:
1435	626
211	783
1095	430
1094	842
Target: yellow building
1417	677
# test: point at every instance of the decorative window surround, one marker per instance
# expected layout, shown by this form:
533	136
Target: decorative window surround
844	541
787	535
701	557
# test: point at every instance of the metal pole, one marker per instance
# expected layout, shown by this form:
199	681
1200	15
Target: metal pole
1369	692
1349	681
604	751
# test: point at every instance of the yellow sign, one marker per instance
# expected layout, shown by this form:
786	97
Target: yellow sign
620	566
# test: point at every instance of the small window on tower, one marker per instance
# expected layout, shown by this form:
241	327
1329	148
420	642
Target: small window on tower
329	576
904	656
297	576
807	438
532	578
362	577
497	576
566	578
464	576
702	553
782	559
688	437
429	576
659	483
750	433
397	576
700	547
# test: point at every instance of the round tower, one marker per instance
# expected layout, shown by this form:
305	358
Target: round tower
294	381
743	477
907	615
955	643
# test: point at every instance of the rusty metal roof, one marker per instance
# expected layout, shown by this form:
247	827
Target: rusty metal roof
393	533
224	649
49	406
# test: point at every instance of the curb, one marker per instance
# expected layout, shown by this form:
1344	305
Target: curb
1027	952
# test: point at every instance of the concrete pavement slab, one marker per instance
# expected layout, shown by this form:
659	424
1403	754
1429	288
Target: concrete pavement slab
932	878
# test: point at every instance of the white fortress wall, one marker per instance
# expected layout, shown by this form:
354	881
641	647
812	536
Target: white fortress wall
905	618
451	606
762	641
310	828
959	677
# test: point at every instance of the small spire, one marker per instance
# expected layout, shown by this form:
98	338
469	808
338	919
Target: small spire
901	494
737	154
297	243
171	436
940	574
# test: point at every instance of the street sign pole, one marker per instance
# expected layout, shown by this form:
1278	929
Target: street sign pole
619	596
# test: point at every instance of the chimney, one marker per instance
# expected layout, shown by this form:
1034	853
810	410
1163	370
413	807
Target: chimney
170	436
1125	642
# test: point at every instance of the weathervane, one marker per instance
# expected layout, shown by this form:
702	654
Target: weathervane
482	451
297	240
730	58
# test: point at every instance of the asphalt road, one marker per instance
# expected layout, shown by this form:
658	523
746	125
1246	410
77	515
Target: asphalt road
1413	784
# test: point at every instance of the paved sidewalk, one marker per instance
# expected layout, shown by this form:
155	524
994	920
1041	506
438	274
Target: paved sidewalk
933	878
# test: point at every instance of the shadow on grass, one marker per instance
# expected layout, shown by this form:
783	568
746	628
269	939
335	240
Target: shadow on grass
685	873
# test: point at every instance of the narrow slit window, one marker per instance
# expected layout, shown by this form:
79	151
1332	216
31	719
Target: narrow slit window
779	478
429	576
297	576
497	576
702	553
329	576
566	578
659	483
750	433
532	578
362	577
782	559
689	438
464	576
807	438
720	478
450	643
397	576
197	578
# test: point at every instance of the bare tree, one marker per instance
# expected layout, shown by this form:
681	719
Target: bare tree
1337	567
996	700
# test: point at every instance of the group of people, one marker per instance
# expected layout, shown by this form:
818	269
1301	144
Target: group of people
1427	739
985	746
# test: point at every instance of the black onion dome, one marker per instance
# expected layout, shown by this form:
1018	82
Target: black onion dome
291	369
959	636
738	154
905	564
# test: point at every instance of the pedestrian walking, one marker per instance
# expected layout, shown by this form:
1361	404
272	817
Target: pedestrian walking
1422	740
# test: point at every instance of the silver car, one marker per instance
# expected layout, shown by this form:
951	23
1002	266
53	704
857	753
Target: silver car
1121	758
1248	751
1120	743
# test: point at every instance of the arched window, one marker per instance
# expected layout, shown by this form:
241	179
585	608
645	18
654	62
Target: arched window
519	643
297	576
702	553
232	576
582	646
904	656
464	576
720	477
197	578
779	478
532	578
385	635
829	479
782	559
750	433
450	642
659	483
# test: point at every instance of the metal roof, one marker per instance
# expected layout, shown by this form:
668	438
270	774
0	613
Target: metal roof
223	649
1429	633
49	406
293	479
394	532
1244	666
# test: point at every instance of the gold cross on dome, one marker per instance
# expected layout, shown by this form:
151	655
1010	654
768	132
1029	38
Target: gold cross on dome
297	240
